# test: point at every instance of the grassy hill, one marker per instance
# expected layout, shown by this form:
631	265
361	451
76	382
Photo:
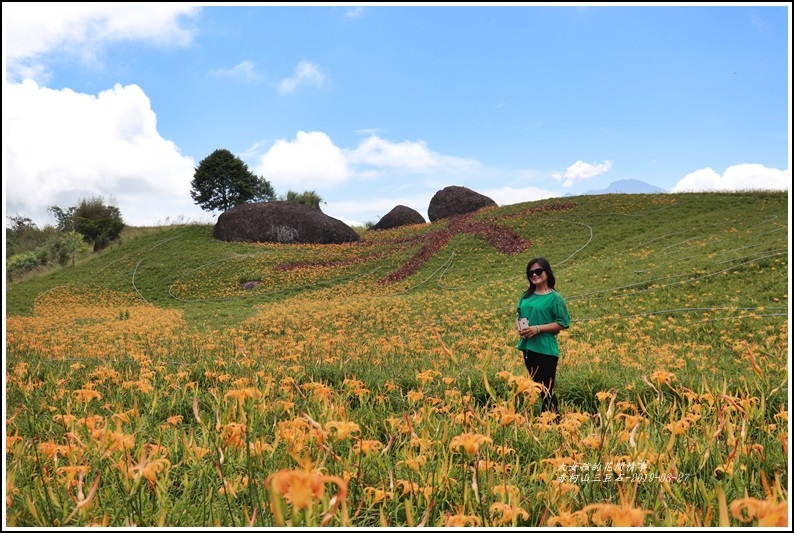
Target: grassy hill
599	245
669	294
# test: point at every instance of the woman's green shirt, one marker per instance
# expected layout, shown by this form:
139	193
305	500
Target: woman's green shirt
543	309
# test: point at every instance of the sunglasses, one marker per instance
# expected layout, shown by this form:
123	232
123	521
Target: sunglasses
537	272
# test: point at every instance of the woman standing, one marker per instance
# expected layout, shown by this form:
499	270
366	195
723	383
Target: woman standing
547	314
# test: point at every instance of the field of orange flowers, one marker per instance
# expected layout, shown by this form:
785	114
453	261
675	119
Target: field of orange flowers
378	384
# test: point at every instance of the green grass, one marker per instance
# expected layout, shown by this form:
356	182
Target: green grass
595	246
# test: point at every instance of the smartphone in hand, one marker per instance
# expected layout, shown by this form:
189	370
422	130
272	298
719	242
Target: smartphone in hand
523	323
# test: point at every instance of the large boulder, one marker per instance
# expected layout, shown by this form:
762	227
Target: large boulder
284	222
399	216
456	200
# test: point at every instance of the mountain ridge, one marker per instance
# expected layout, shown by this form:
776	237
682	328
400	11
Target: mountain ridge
628	186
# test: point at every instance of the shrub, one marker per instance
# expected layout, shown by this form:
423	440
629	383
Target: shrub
25	262
98	223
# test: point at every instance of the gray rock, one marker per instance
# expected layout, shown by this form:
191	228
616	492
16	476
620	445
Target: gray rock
399	216
283	222
456	200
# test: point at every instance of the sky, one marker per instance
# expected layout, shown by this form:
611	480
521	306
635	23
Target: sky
374	105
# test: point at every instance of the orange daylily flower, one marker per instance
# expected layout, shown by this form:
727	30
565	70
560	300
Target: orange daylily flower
506	415
11	440
10	491
242	394
461	520
661	377
113	440
173	420
198	451
768	513
149	469
511	492
125	416
368	446
525	384
67	474
66	420
414	396
378	495
508	513
470	442
568	519
300	488
86	395
592	441
52	450
343	429
414	463
234	434
427	375
259	447
619	515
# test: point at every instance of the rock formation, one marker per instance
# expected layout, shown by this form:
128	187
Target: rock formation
456	200
283	222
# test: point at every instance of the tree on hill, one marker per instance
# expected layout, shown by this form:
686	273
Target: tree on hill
65	218
28	247
22	235
308	198
222	181
98	222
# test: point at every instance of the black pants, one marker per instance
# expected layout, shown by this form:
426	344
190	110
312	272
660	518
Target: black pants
543	369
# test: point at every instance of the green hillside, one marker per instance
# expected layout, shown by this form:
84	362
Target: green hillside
602	247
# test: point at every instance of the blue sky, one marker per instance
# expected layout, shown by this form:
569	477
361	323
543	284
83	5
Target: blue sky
373	106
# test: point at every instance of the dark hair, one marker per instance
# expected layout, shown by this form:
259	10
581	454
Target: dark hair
544	264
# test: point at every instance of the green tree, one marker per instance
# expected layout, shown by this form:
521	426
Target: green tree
65	246
99	223
222	181
22	235
65	218
309	198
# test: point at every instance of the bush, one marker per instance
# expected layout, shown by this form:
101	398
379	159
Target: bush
100	224
62	247
25	262
22	235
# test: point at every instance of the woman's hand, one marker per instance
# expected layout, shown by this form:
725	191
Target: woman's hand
531	331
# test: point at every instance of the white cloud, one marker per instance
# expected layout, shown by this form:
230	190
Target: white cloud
736	178
244	71
309	162
759	23
517	195
305	73
32	29
61	146
313	161
372	209
356	12
407	155
581	171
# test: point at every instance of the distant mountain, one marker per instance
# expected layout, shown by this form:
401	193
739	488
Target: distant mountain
626	187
